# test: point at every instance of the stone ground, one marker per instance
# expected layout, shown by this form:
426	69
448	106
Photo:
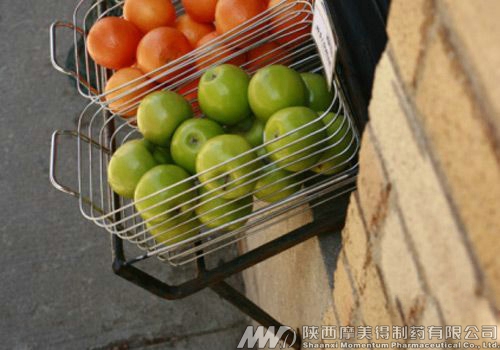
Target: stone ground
57	290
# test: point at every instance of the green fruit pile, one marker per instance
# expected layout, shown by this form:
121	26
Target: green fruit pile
190	171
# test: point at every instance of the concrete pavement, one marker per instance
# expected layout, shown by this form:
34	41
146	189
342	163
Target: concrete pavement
57	290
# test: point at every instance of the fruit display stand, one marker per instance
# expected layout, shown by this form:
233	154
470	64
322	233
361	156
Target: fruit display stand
101	130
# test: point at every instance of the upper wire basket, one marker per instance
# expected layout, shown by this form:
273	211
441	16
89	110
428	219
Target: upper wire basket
100	131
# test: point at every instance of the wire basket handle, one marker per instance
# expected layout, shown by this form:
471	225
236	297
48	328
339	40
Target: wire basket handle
53	163
53	46
53	52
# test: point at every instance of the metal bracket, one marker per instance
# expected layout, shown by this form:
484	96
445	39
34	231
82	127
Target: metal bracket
215	278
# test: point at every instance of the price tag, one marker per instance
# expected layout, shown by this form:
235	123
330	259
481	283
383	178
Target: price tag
323	35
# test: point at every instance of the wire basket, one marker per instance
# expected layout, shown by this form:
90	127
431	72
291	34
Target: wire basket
289	17
101	131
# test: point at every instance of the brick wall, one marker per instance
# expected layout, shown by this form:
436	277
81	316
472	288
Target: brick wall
422	239
421	245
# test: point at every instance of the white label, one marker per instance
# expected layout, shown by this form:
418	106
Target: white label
323	35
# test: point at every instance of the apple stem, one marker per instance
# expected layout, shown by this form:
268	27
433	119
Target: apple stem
193	140
227	178
211	76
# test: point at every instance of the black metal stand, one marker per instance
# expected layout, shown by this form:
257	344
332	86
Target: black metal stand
215	278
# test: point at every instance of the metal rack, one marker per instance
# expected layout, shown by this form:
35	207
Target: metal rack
101	131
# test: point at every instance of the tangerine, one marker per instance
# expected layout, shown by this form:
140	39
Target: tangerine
190	92
160	47
288	18
267	54
193	30
149	14
201	10
112	42
215	53
229	14
126	105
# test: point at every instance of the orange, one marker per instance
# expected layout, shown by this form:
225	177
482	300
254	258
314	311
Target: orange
190	92
200	10
267	54
231	13
112	42
193	30
216	53
149	14
160	47
133	95
291	18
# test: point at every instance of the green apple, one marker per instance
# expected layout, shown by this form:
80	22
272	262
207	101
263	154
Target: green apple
188	139
149	145
162	155
159	114
215	211
273	88
127	165
340	145
320	97
168	233
252	129
298	146
223	94
261	152
227	164
163	188
277	184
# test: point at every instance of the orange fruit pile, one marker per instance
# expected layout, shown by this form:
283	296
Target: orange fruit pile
150	36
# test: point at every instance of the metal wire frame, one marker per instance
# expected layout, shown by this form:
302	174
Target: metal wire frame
238	41
95	143
96	197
